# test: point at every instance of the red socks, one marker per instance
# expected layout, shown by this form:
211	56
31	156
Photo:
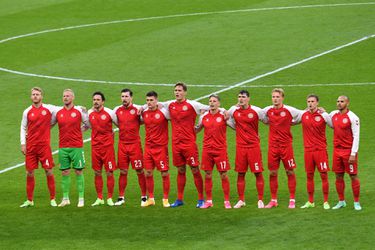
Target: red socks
122	183
208	187
273	186
260	185
356	189
225	186
30	184
292	185
241	187
166	186
142	183
198	181
150	186
181	181
310	186
51	186
110	185
99	186
340	188
325	185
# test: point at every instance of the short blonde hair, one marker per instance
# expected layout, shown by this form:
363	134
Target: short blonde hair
69	90
278	90
37	89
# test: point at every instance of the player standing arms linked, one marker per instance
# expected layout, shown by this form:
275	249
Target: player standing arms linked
345	150
69	119
280	145
214	149
248	153
35	139
129	145
183	114
314	124
102	149
156	146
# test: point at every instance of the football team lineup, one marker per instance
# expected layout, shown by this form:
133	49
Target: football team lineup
224	87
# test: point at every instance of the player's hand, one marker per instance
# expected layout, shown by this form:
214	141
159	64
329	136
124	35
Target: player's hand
321	110
84	109
140	110
352	159
226	115
23	149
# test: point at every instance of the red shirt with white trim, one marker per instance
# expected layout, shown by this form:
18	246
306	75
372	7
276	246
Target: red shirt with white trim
314	130
215	131
36	125
346	131
156	126
129	123
101	127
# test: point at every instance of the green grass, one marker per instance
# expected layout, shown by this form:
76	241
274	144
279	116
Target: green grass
213	49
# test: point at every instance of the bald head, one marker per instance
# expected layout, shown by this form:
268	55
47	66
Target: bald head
342	103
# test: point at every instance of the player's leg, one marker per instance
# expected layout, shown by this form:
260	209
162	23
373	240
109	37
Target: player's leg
339	168
46	159
356	191
110	187
192	159
31	163
309	169
241	165
65	162
78	157
110	166
226	188
208	188
323	168
149	167
136	158
273	166
289	165
123	165
162	164
80	187
256	166
97	164
142	184
166	187
181	182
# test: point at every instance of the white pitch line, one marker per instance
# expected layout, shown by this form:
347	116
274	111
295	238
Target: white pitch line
310	85
288	66
246	81
153	18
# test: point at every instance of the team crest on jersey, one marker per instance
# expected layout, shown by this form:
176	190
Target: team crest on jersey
219	119
282	114
132	112
318	119
184	108
62	115
73	114
44	112
345	120
157	116
103	117
250	115
238	114
121	112
32	114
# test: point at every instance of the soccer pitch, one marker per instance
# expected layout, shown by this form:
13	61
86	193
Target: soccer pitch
322	47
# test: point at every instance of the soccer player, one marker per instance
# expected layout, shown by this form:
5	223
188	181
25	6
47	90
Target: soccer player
345	150
156	147
183	114
315	147
69	118
35	144
102	150
248	153
280	118
214	150
129	145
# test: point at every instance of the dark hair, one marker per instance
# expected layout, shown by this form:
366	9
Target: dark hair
183	85
99	93
314	96
214	95
152	93
244	92
127	90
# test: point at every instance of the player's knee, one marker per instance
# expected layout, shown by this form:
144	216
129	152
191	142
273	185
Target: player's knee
139	171
48	172
273	173
124	171
208	174
223	175
353	177
194	170
30	173
66	172
164	173
109	173
242	174
148	173
78	171
182	169
98	173
290	172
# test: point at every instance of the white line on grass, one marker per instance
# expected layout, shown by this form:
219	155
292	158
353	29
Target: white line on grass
246	81
153	18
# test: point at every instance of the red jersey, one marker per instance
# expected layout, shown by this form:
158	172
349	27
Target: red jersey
280	121
246	125
156	126
128	123
215	131
69	121
345	131
36	125
101	127
183	116
314	130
